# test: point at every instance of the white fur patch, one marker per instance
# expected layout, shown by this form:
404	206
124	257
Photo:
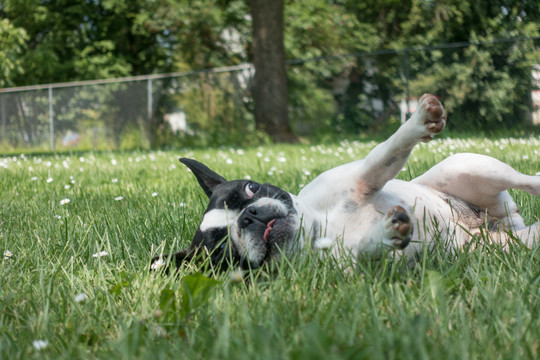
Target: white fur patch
279	207
218	218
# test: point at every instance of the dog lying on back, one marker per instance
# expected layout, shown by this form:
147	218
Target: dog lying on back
361	207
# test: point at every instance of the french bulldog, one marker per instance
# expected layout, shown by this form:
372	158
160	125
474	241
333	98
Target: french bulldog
360	209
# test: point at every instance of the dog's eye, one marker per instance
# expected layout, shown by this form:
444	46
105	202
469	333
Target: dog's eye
252	188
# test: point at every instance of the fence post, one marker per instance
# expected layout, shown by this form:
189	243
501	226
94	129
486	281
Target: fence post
51	118
3	112
149	108
408	94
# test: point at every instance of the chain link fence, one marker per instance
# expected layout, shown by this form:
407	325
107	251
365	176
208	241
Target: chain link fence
345	93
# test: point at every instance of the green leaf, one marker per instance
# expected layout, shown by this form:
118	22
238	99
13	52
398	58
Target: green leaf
196	291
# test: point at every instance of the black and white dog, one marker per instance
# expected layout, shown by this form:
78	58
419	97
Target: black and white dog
360	208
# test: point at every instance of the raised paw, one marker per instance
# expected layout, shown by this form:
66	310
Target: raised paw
397	227
431	115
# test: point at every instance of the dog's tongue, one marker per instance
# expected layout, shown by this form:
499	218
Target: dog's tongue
268	229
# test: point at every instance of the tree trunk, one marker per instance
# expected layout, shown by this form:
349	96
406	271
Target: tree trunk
270	81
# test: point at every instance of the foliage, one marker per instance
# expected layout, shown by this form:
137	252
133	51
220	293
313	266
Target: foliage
13	45
484	86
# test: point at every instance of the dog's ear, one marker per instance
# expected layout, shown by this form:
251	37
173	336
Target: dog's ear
207	178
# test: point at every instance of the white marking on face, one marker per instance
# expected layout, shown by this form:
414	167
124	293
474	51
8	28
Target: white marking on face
218	218
279	208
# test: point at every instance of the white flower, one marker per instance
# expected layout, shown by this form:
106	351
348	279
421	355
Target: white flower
154	194
67	187
115	180
159	331
34	178
324	243
57	217
7	254
229	161
100	254
157	264
40	344
236	275
119	198
64	201
81	297
113	162
49	180
282	159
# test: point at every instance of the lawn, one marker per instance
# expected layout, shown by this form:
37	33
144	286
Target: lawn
77	232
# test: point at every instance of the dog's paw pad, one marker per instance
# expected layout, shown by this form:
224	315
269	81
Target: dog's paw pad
432	115
398	227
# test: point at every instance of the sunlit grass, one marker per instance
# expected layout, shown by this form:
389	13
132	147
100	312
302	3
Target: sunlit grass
78	231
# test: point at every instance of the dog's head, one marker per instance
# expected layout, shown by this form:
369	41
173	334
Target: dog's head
245	223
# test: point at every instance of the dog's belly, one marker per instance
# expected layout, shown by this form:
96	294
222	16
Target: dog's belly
429	211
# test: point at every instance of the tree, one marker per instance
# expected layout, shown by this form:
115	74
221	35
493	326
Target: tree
270	82
12	42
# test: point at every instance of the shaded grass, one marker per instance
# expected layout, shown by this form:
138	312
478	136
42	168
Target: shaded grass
483	303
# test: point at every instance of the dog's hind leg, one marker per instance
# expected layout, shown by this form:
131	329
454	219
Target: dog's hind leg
482	181
478	179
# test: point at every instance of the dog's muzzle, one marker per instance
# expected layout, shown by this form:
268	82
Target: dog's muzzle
264	230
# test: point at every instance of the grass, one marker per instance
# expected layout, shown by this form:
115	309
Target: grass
480	304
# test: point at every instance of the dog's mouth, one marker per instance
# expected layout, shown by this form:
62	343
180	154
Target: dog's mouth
264	241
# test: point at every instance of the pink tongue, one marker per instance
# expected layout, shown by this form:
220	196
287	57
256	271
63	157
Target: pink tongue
268	229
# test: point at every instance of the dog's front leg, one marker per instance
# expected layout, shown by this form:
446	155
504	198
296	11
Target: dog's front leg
387	159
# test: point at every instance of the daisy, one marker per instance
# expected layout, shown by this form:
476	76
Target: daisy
119	198
100	254
154	194
40	344
7	254
49	180
80	297
236	275
115	180
160	332
64	201
157	264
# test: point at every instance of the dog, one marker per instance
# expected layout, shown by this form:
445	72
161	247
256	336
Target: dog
360	208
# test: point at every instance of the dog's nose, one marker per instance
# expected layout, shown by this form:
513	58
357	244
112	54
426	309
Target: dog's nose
252	215
247	217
